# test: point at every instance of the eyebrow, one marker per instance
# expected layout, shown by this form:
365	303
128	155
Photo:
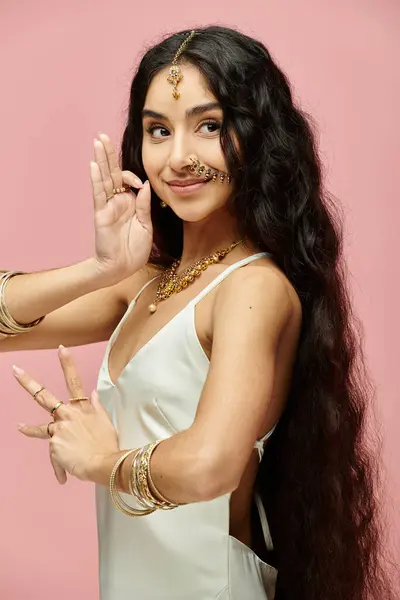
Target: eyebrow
190	112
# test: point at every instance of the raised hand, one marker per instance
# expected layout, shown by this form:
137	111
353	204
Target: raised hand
123	228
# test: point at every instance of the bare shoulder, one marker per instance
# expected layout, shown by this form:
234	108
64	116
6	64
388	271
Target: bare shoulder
132	285
261	288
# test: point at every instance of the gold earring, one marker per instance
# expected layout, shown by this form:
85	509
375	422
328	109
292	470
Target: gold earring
175	73
163	204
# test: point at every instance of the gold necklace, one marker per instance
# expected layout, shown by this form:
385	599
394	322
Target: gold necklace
171	283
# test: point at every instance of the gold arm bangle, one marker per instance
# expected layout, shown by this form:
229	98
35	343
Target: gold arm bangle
8	326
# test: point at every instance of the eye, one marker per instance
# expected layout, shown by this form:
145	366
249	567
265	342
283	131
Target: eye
152	128
212	126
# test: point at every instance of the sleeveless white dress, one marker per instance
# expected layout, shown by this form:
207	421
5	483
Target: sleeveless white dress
186	553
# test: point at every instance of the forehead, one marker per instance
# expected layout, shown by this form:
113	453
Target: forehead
193	91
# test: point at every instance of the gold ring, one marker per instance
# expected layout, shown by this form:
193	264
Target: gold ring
48	430
38	392
117	190
78	399
53	410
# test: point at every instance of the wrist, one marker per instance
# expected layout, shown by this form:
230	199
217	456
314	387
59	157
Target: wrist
100	467
105	274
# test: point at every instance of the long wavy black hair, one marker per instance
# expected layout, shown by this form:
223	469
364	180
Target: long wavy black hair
319	475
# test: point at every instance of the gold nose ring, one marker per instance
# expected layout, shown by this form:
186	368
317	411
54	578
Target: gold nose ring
198	169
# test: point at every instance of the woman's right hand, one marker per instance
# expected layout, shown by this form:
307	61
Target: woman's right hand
123	228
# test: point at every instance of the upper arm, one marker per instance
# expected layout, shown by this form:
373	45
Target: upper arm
251	311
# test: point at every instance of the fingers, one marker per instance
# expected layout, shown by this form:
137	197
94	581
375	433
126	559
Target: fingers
72	378
44	398
112	162
102	159
95	401
105	173
131	179
59	472
98	191
40	432
34	431
143	207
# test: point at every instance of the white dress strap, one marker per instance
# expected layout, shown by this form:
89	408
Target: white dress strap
260	443
227	272
143	288
264	523
260	507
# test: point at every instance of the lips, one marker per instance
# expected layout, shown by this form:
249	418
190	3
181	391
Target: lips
183	183
188	188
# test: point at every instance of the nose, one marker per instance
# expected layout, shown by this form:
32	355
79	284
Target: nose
180	153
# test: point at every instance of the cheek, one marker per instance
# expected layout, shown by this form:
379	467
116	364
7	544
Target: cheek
153	157
146	158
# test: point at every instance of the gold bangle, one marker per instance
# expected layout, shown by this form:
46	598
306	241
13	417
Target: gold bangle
8	326
136	481
166	504
116	498
141	478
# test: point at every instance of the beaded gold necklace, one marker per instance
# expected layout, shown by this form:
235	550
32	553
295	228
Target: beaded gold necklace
170	283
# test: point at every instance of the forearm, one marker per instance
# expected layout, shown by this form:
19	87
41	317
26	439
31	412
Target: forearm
33	295
182	470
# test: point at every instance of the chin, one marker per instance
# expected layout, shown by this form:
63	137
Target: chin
192	212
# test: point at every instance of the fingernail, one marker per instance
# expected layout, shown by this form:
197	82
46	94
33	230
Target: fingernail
63	350
138	181
21	425
17	371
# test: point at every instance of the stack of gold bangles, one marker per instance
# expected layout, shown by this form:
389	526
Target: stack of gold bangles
141	485
8	326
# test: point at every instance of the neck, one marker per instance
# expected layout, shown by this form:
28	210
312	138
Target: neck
205	237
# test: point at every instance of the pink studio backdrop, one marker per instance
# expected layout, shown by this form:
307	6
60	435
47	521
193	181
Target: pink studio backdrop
66	70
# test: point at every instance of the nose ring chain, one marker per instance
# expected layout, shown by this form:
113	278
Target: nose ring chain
201	170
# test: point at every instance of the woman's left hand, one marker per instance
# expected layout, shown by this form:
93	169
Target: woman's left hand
82	433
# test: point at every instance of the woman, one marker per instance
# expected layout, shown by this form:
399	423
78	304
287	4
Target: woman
222	285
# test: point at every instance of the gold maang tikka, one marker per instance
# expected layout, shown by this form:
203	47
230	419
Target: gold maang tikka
175	73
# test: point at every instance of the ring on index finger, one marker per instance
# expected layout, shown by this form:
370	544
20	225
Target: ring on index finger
38	392
53	410
48	429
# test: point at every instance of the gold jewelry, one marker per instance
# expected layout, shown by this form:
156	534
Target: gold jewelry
198	169
8	326
171	283
163	204
116	497
38	392
141	478
175	73
48	430
117	191
78	399
167	504
56	407
138	484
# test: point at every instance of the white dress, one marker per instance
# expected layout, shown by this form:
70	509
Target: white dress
186	553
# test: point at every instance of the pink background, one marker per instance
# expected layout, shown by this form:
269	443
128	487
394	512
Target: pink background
66	70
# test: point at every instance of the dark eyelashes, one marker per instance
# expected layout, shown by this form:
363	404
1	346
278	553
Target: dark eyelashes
151	128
